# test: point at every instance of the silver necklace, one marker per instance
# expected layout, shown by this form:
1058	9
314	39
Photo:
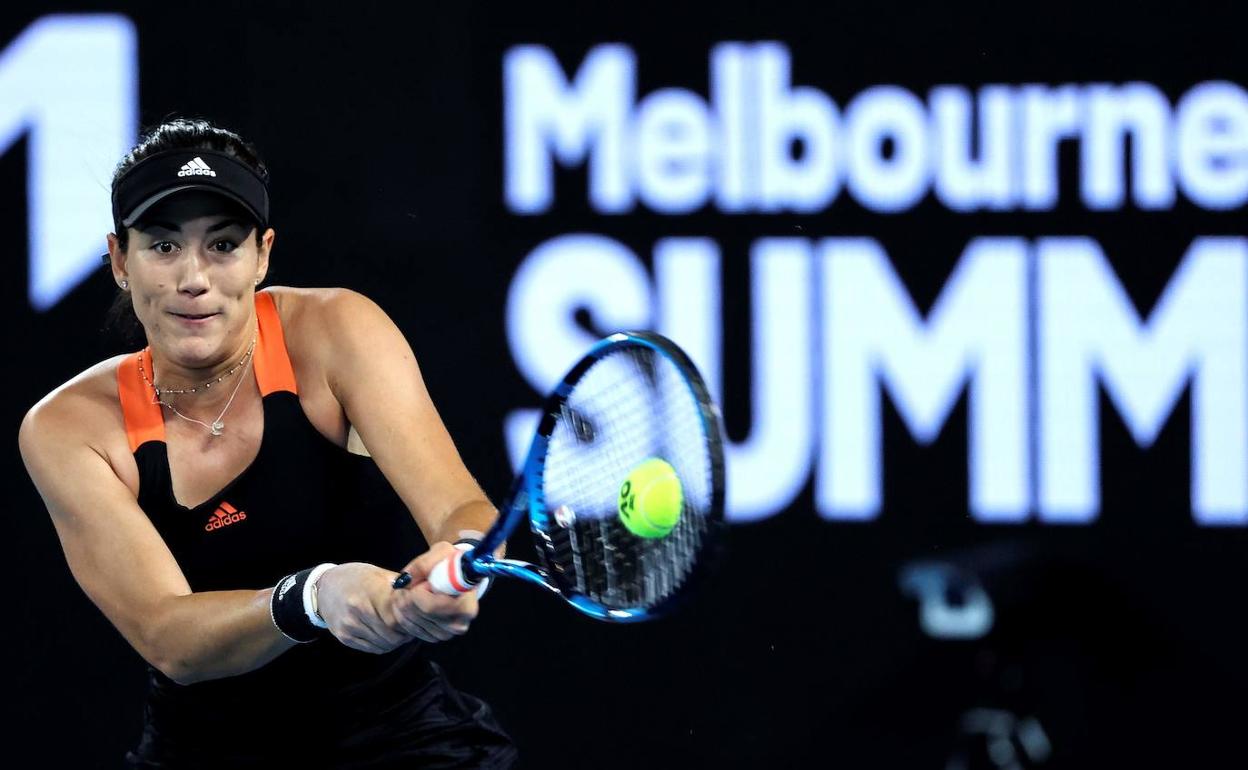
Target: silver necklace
218	425
205	386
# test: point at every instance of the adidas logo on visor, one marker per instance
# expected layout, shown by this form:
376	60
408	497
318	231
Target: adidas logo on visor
196	167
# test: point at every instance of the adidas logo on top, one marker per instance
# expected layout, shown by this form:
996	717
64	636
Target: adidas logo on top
196	167
224	516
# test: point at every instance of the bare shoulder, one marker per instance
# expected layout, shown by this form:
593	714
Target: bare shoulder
317	321
312	309
335	336
85	402
83	411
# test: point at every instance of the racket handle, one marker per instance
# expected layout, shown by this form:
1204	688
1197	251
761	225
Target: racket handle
448	576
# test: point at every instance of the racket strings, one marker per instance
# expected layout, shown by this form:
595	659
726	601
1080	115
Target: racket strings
631	406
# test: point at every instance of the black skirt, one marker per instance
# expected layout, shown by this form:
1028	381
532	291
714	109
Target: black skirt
413	719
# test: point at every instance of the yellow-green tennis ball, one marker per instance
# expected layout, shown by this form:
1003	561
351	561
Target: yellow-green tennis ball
651	499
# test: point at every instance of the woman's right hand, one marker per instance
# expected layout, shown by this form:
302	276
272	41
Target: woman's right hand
354	600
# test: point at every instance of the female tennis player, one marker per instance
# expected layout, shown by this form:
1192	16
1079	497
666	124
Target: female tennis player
207	502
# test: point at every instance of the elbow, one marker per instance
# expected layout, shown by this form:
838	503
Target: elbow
179	670
181	665
159	649
181	673
178	674
185	677
184	672
187	666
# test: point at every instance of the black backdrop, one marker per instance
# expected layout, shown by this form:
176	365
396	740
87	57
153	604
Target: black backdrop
382	126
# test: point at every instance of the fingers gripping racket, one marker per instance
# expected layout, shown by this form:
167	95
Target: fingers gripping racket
623	486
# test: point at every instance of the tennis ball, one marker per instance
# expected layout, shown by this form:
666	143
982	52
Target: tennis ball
651	498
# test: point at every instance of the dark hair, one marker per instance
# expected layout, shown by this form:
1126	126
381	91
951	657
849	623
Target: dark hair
173	134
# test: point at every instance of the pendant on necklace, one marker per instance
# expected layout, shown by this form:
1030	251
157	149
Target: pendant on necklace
217	428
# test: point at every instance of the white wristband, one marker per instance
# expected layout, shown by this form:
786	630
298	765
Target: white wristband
309	586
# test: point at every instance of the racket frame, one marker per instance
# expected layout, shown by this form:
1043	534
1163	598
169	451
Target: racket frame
527	500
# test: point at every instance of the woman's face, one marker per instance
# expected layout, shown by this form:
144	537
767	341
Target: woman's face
192	264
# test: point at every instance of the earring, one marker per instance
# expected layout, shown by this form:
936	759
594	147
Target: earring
257	281
125	284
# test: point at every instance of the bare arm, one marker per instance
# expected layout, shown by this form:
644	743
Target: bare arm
124	566
373	373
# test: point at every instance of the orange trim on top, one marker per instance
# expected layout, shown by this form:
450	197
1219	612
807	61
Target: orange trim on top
272	362
144	422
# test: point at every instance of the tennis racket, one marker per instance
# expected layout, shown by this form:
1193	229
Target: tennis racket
635	396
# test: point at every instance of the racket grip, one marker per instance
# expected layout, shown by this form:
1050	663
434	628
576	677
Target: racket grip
447	576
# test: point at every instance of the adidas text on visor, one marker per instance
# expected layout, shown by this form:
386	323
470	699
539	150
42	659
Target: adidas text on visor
158	176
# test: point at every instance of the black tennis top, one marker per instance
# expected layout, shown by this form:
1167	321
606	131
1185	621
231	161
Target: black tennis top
302	501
